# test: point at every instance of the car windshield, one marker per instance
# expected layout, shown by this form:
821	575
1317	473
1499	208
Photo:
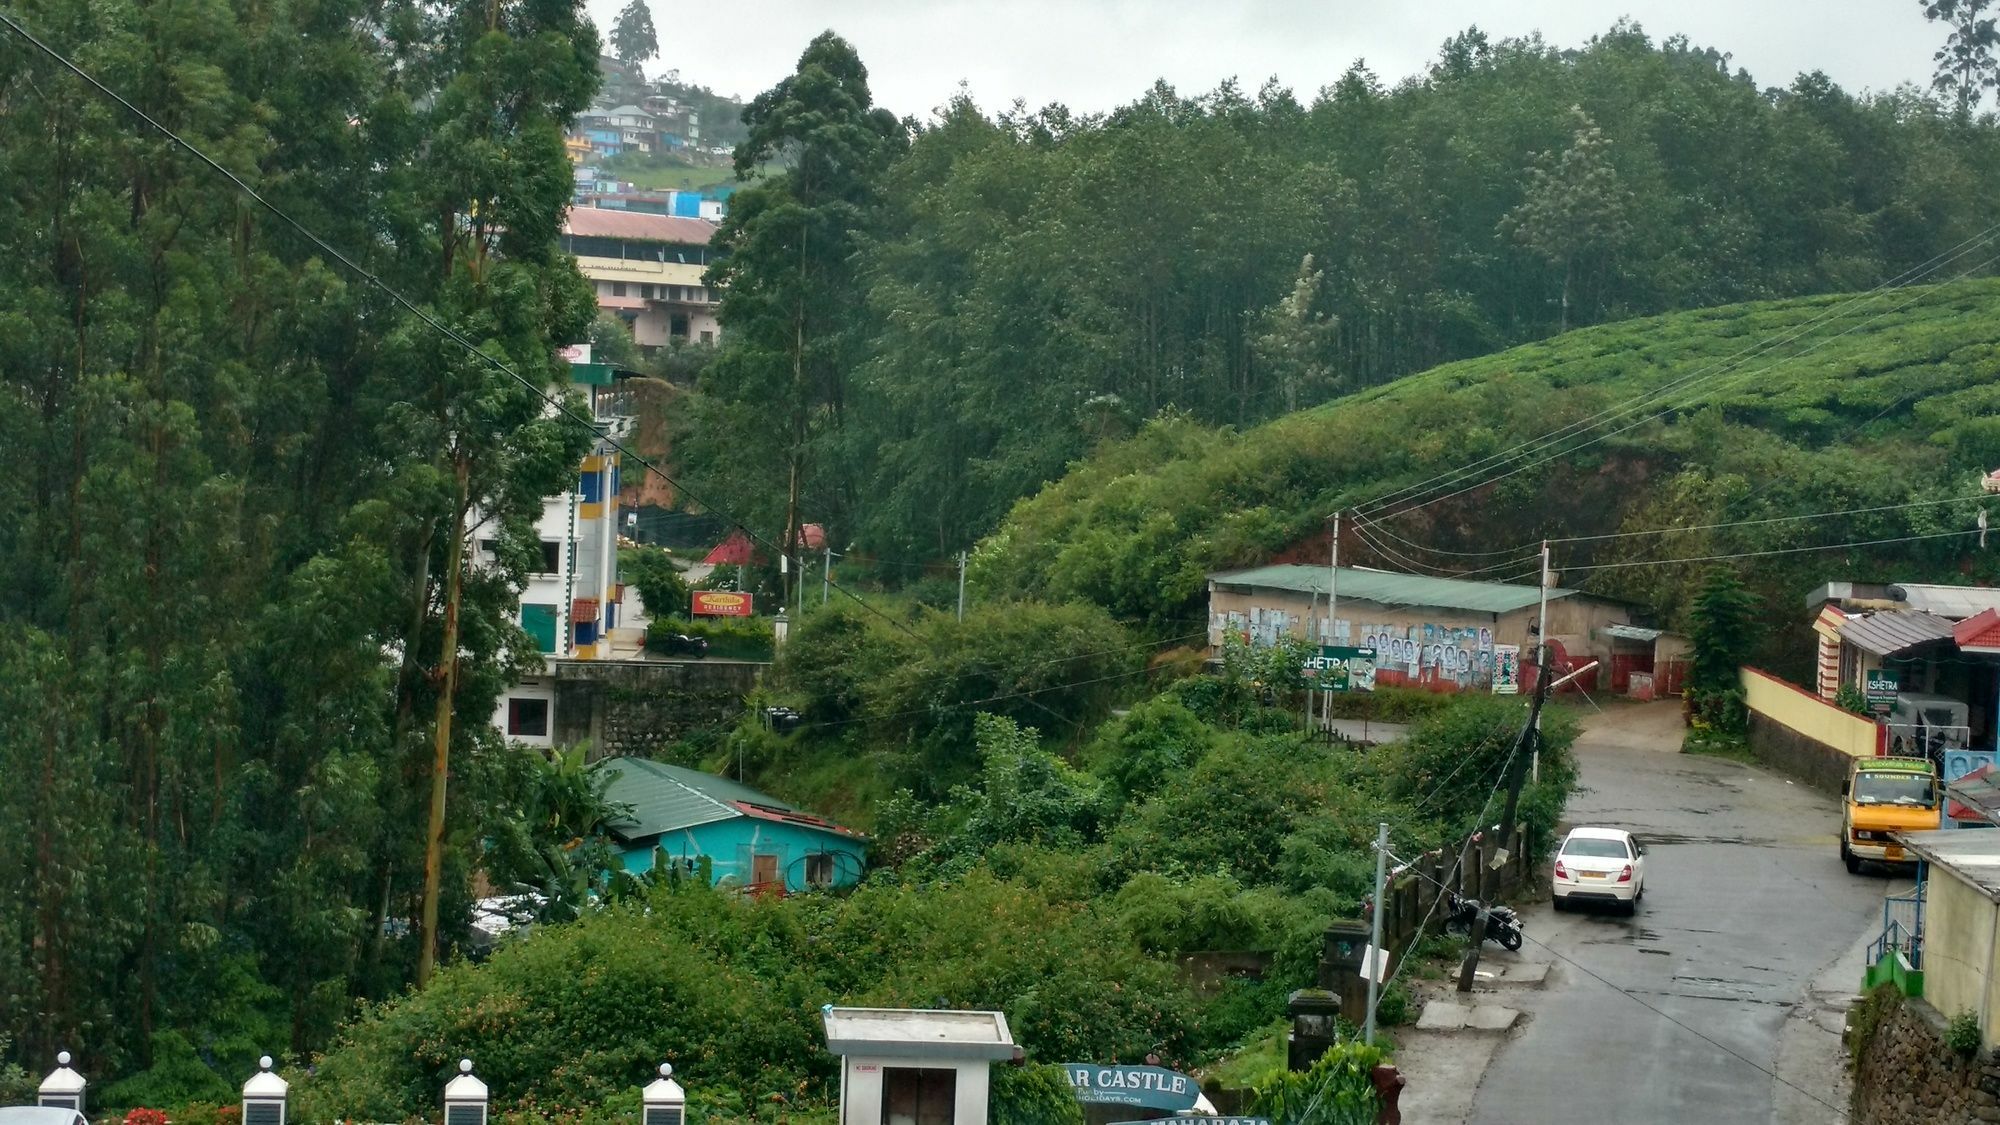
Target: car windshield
1894	789
1596	847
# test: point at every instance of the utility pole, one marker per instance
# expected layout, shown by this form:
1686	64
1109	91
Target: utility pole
961	585
1530	740
825	575
1332	607
1375	930
1541	664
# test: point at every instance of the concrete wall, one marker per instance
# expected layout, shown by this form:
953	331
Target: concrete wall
1959	939
1905	1075
1802	734
639	707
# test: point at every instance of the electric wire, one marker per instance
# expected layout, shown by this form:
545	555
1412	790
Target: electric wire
1715	369
1770	520
1671	408
1773	551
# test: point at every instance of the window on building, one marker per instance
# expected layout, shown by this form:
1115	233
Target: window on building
551	557
677	327
918	1095
819	870
489	548
646	291
617	289
707	337
527	717
539	620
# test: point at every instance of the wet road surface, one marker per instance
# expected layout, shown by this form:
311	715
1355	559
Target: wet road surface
1750	934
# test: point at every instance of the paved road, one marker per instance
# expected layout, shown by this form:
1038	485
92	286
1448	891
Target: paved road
1751	933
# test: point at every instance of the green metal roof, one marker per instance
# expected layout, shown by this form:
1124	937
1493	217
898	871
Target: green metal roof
1387	588
668	798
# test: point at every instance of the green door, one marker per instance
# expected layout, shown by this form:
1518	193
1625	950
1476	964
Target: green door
540	622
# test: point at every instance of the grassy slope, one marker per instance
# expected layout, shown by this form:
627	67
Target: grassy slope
1847	402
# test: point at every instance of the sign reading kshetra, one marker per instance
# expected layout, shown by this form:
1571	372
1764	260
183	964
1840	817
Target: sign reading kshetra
721	603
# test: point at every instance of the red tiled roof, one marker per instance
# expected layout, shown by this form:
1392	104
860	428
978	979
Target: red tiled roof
1981	631
603	222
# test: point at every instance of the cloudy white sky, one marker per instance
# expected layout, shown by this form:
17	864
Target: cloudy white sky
1096	54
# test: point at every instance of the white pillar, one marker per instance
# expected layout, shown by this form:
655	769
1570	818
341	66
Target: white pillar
63	1088
264	1096
465	1098
663	1102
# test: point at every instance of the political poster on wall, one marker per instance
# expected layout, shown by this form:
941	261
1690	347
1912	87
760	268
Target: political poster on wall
1506	669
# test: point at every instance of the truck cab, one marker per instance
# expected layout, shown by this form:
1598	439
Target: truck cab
1881	796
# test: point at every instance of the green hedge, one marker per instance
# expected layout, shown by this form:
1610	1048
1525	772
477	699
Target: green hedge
732	638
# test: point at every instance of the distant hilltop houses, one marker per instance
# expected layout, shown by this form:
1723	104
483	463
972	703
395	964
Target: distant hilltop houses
636	119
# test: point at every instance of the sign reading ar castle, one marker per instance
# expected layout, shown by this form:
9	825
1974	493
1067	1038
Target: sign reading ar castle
1151	1086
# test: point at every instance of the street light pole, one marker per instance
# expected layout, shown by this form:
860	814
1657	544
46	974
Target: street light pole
1542	663
825	575
961	585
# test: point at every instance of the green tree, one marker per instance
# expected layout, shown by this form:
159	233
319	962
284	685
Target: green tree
1294	340
1574	206
633	39
1722	625
1966	68
791	300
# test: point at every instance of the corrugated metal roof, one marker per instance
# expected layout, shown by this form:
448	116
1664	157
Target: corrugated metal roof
1387	588
666	798
1979	790
1953	602
1971	854
1891	631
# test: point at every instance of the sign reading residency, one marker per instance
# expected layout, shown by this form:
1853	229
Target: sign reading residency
1151	1086
721	603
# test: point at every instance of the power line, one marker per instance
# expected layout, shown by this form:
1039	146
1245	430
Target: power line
1723	368
1381	529
1772	519
1773	551
1483	482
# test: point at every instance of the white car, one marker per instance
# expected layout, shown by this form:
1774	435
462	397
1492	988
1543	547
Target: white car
39	1115
1600	865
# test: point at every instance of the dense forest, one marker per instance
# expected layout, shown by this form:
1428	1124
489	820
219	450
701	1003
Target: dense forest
232	599
1015	288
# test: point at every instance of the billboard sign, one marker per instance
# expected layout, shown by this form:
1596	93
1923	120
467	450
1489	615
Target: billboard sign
721	603
1880	687
1506	669
1150	1086
1343	668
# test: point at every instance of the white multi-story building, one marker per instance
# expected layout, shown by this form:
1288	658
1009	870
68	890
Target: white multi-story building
570	602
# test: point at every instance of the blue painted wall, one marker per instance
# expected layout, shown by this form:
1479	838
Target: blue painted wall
730	844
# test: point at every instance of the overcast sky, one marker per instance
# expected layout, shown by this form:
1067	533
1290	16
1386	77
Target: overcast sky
1096	54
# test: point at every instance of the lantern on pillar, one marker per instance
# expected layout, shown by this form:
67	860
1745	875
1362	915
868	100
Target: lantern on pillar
264	1096
663	1101
63	1088
465	1098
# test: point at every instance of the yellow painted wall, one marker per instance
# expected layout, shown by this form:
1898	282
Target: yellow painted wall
1809	715
1958	951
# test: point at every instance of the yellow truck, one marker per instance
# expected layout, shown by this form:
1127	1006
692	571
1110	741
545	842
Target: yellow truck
1881	796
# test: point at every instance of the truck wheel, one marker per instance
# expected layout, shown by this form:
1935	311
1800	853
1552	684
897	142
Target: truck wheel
1852	861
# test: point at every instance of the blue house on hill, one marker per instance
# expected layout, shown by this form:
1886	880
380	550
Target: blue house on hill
751	839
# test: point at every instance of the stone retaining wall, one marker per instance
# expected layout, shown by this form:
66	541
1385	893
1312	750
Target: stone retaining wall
1788	751
1907	1076
640	707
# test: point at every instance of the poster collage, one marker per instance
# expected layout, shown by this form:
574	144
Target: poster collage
1463	656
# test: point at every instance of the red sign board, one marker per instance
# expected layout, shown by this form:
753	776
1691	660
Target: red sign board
721	603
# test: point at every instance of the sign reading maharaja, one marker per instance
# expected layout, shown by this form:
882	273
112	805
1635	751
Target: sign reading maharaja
1151	1086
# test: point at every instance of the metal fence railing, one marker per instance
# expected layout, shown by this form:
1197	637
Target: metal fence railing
1902	929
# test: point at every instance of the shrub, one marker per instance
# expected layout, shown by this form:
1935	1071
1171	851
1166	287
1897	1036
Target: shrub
1032	1095
1336	1090
144	1116
177	1077
1962	1035
734	638
652	572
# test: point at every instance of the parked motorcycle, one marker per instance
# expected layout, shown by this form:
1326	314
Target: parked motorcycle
1502	924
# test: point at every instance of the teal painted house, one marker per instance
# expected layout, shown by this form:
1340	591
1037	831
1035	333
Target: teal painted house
750	839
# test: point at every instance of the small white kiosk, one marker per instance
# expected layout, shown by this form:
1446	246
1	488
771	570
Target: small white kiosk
903	1066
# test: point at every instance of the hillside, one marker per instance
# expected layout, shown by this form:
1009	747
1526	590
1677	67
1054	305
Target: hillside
1863	401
